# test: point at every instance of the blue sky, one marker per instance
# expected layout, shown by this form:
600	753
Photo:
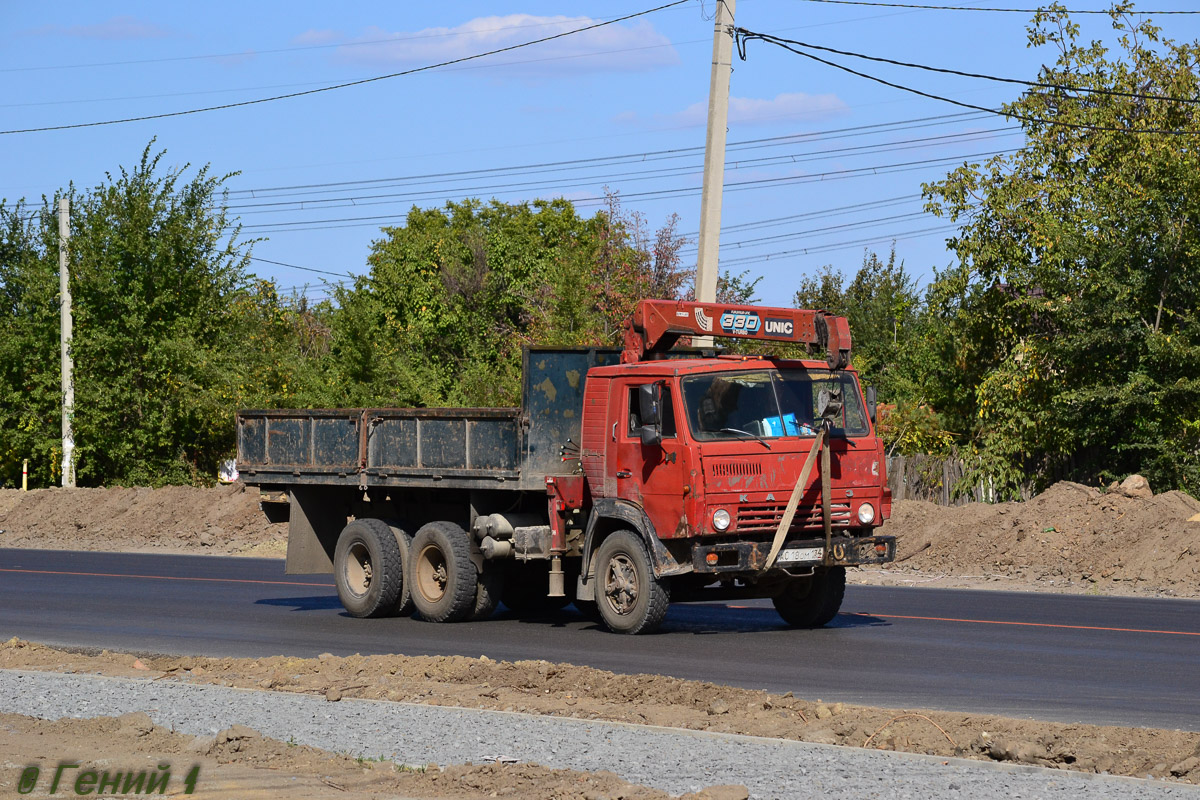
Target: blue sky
821	164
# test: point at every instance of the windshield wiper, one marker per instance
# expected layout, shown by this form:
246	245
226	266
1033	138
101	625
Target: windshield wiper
754	436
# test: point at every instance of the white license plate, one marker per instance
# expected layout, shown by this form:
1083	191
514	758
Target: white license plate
793	554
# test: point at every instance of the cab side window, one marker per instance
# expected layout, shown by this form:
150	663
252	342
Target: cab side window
667	411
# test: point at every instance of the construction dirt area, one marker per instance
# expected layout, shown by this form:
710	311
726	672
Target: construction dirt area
1071	538
563	690
239	763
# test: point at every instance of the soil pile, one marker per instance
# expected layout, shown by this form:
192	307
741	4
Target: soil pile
1071	534
225	520
240	763
540	687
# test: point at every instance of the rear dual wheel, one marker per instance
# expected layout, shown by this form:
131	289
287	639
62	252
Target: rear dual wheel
374	576
369	569
444	582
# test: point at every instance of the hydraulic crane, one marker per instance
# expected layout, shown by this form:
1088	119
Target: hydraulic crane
656	325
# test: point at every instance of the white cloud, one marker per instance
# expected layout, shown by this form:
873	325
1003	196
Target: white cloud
319	37
789	106
116	28
755	111
631	47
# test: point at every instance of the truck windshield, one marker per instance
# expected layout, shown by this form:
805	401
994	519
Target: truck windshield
769	403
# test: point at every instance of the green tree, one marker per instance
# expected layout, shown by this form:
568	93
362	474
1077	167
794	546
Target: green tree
156	276
455	292
30	378
1073	310
739	290
449	300
882	307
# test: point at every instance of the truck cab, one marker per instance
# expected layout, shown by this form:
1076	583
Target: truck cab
708	452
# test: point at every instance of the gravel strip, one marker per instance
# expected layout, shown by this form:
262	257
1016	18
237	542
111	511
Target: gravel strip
677	761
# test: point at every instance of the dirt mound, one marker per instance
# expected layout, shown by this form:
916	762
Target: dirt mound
241	763
1071	534
224	520
539	687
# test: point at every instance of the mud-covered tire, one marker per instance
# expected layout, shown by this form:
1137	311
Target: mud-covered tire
526	589
488	591
629	597
368	569
404	603
441	575
812	602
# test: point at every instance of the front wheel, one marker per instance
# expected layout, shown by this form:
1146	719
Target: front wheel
814	601
441	576
629	598
368	569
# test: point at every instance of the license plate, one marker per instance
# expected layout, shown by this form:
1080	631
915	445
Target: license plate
792	554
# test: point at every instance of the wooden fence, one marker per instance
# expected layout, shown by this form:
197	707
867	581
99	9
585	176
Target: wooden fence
935	479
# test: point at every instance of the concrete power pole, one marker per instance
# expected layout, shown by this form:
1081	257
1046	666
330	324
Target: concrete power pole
68	364
714	158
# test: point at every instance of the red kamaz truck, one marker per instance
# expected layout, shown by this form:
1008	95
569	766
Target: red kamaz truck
627	480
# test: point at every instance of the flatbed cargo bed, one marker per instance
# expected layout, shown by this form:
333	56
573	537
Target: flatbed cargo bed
465	448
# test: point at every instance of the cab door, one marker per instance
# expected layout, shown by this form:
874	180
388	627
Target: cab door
655	477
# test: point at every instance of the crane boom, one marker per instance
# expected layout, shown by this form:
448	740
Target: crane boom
657	324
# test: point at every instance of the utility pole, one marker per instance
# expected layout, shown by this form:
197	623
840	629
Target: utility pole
714	158
68	364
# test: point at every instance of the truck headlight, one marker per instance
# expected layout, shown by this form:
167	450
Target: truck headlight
866	513
721	519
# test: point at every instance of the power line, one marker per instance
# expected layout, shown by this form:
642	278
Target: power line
827	212
359	82
749	242
323	287
745	35
762	240
946	71
678	152
656	194
973	8
297	266
508	63
561	182
826	248
272	51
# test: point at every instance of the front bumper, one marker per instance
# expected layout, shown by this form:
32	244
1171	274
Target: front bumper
844	551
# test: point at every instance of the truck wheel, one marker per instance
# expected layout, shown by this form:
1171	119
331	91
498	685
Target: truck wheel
441	575
526	587
368	569
812	602
630	598
404	603
488	591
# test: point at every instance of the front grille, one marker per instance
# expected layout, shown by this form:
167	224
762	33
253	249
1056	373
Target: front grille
767	516
725	469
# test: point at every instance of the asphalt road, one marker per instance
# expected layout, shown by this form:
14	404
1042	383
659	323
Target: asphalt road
1120	661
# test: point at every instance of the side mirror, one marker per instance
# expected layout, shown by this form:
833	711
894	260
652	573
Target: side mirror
871	402
649	403
651	436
